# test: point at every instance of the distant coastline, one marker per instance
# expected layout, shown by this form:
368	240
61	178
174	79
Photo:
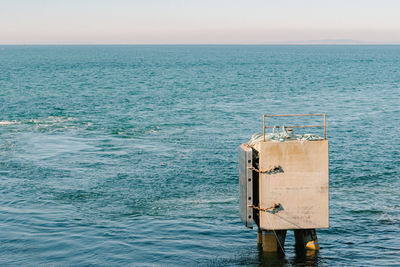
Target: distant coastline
325	41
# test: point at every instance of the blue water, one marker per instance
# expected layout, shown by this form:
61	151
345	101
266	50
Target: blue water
127	155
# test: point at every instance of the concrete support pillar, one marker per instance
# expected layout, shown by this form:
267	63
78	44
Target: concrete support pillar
269	242
259	237
272	241
306	239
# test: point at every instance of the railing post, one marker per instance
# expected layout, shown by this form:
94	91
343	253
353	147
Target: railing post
264	127
324	126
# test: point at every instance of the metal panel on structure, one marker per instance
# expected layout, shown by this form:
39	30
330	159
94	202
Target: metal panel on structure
245	185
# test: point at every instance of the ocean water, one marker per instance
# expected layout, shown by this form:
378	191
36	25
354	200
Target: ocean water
127	155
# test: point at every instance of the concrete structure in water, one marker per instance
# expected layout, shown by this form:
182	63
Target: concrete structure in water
284	185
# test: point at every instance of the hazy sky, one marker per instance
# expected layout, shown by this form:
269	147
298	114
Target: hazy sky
198	21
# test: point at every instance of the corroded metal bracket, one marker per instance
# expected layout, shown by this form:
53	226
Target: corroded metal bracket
275	169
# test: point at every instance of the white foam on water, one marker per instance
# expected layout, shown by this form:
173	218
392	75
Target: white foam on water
8	122
52	120
209	201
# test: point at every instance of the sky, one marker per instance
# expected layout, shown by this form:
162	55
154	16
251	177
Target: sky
199	21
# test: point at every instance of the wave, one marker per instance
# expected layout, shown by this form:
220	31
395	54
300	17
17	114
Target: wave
46	124
9	122
132	132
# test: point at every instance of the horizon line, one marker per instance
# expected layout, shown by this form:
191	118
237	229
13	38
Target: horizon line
274	43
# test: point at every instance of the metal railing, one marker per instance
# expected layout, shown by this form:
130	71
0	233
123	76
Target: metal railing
302	126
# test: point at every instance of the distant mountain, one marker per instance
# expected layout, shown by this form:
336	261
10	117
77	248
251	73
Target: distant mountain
323	41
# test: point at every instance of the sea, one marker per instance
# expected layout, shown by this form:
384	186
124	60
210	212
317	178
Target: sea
126	155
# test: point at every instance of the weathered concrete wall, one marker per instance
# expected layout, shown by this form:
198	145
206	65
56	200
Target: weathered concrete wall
298	181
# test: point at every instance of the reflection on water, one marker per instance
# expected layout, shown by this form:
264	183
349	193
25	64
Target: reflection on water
306	257
302	257
271	258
